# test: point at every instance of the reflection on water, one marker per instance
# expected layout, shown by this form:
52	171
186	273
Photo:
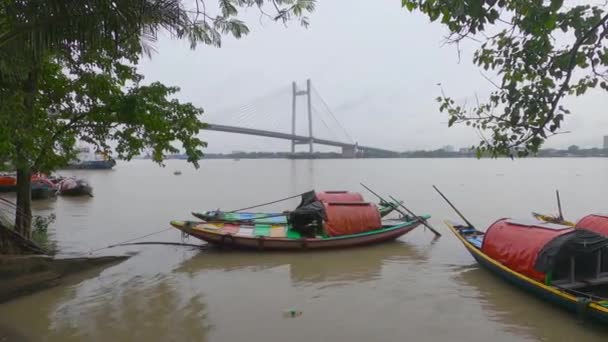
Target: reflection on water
414	289
524	313
331	268
153	307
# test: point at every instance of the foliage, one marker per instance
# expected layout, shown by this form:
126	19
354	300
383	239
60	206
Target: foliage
540	52
68	73
40	231
37	25
83	55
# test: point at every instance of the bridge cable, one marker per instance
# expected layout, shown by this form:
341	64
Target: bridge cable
331	113
245	111
330	131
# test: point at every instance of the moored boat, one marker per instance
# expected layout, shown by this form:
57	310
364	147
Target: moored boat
384	208
322	220
558	263
284	237
74	187
43	188
8	183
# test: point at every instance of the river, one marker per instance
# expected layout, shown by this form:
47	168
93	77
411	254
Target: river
414	289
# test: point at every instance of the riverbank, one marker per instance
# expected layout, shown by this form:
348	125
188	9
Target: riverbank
26	274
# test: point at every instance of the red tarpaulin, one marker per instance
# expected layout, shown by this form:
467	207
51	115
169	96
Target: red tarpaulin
345	218
8	180
595	223
339	196
517	245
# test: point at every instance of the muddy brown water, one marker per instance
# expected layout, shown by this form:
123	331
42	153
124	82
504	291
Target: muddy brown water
414	289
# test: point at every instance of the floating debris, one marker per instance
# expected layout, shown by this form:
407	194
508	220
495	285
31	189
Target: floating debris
292	313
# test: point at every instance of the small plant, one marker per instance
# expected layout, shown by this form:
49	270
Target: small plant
40	233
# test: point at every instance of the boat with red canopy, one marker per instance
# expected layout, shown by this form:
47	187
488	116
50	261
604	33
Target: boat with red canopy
562	264
595	222
385	208
321	220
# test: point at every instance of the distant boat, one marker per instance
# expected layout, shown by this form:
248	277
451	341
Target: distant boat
177	172
92	165
96	161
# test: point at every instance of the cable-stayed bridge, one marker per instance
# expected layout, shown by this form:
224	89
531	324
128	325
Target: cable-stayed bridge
316	124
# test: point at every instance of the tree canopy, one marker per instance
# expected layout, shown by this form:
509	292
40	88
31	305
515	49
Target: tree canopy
68	73
535	53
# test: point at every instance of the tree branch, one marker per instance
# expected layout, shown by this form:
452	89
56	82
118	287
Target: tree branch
62	130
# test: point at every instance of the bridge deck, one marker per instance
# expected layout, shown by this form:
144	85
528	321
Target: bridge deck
293	137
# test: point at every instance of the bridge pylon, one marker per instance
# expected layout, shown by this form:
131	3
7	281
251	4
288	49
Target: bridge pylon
295	93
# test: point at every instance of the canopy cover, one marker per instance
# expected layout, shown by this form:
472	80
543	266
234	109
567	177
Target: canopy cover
329	196
517	246
342	212
594	223
345	218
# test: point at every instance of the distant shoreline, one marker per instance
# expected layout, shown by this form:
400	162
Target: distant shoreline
437	154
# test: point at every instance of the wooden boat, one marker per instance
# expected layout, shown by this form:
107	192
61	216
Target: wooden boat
8	183
43	188
563	265
218	215
74	187
322	220
284	237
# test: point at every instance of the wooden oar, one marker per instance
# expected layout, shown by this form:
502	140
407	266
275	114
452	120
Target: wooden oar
396	208
420	219
559	206
453	207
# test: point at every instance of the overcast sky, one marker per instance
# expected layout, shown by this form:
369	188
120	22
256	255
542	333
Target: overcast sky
376	65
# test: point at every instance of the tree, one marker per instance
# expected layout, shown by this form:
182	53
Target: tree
538	52
77	59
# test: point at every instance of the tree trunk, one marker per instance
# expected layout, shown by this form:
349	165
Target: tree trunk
23	214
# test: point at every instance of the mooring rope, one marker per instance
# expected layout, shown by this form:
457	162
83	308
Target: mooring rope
130	240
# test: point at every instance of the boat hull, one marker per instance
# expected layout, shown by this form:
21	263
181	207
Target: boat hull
8	188
92	165
78	191
268	243
43	193
538	289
